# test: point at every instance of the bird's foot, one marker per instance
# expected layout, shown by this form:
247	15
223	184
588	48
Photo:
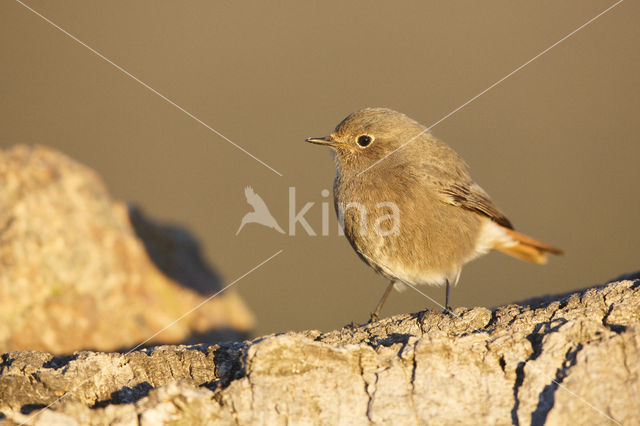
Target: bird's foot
448	310
353	325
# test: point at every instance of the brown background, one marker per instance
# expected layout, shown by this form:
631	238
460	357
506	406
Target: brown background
556	144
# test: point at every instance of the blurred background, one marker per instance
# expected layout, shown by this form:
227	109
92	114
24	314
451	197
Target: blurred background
556	144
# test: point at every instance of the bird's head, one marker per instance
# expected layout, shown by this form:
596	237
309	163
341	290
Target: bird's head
367	136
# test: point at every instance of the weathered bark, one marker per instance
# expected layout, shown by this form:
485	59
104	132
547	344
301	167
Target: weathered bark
568	359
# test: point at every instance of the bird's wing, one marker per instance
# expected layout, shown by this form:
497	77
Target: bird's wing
472	197
254	199
448	175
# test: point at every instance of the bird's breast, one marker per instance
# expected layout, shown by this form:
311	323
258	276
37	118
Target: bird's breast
404	227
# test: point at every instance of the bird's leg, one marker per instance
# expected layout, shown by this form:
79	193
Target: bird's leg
447	308
374	315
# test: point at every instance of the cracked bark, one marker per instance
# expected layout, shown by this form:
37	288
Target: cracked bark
555	360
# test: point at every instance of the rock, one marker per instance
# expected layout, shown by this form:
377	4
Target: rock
77	269
568	360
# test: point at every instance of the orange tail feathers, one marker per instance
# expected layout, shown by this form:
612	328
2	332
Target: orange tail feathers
527	248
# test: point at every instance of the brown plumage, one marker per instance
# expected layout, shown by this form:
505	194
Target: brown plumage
424	217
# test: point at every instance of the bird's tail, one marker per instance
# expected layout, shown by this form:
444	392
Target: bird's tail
526	248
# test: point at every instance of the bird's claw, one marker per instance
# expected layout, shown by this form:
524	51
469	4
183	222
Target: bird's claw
353	325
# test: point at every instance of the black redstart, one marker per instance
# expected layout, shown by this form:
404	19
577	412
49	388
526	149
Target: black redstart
408	205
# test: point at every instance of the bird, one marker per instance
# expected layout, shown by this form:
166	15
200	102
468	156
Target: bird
260	213
409	207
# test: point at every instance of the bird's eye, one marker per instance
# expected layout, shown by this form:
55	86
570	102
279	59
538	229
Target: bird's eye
364	140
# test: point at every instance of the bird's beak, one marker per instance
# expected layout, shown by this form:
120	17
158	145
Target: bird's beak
327	140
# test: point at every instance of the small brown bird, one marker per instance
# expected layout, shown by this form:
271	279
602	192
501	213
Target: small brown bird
409	207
